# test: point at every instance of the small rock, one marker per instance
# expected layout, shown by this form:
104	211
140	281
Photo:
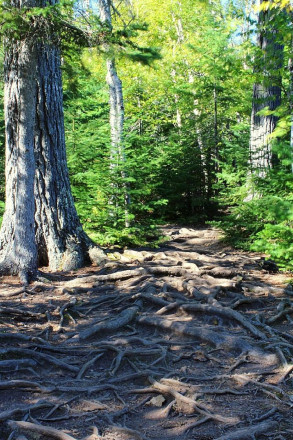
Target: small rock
157	401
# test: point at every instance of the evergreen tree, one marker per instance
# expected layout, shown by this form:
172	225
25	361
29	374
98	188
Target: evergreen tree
40	220
266	91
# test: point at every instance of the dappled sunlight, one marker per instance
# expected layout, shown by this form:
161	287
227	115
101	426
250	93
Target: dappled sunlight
140	350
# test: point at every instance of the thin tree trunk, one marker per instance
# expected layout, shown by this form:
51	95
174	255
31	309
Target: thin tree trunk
290	67
18	253
117	154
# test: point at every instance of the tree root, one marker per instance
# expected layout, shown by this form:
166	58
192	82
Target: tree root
14	293
21	312
134	434
65	307
250	431
17	364
25	384
125	317
88	365
190	403
41	356
218	339
6	415
226	312
39	429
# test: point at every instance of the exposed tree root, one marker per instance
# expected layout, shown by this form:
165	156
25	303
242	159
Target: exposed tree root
217	339
250	431
190	403
24	384
40	356
123	319
162	323
88	365
6	415
133	433
17	364
40	429
226	312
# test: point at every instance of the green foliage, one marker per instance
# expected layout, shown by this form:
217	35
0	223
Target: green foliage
187	75
264	223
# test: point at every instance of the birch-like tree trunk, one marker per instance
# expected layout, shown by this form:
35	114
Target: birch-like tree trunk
18	252
266	94
290	68
117	154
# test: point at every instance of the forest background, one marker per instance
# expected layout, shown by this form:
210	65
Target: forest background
188	70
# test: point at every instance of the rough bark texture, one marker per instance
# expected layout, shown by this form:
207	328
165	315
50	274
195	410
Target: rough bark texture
266	94
40	221
61	242
116	102
18	254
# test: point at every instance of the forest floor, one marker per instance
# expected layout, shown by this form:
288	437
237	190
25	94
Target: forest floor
190	341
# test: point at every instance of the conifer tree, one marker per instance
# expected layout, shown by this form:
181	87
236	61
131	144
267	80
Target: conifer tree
40	223
266	91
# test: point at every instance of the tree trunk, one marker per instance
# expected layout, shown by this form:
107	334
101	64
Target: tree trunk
18	253
62	243
266	94
290	67
40	220
117	154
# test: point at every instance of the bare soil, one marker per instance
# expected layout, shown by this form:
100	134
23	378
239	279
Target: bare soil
190	341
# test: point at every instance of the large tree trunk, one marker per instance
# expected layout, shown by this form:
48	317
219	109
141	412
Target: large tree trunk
40	221
18	253
61	242
266	94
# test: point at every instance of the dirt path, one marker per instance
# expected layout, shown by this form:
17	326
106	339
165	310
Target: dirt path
190	341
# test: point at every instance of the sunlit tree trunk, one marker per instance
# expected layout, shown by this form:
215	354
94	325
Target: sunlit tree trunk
18	252
290	67
266	94
40	223
117	154
62	243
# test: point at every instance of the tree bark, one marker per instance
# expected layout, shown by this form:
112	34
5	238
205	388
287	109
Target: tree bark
290	68
18	252
40	223
266	94
116	101
62	243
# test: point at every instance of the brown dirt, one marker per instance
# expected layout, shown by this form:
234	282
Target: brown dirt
190	341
